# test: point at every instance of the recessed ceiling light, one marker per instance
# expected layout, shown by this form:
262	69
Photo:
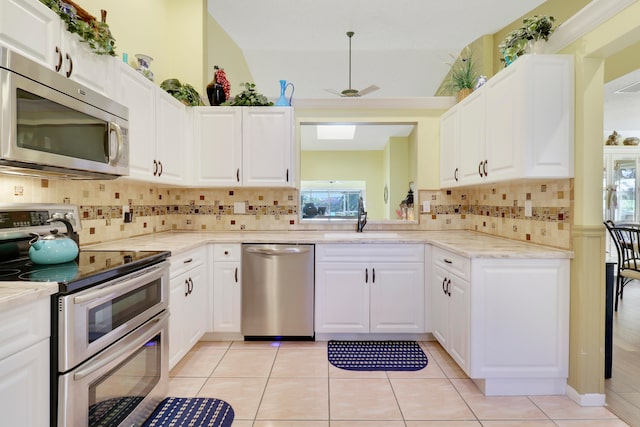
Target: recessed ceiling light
336	131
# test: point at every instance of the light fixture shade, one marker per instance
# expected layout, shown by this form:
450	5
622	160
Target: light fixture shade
336	131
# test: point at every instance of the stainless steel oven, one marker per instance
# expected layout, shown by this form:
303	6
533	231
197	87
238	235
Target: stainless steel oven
120	386
113	350
91	320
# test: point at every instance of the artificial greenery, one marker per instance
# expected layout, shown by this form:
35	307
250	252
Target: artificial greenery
184	93
463	74
96	34
249	97
538	27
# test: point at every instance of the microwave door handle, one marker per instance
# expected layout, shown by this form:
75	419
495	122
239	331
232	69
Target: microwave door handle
114	288
114	127
150	330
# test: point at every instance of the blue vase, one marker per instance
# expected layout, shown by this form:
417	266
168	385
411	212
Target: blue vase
283	101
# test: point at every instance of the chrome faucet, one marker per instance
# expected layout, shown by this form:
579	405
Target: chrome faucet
362	216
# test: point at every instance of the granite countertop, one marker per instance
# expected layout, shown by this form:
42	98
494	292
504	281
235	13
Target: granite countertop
18	293
465	243
470	244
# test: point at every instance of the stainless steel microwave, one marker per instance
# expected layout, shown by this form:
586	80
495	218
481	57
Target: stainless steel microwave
51	125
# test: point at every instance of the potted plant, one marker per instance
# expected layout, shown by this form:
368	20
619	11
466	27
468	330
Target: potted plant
249	97
463	75
529	38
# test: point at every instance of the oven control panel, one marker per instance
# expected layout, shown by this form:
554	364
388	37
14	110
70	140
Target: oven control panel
33	217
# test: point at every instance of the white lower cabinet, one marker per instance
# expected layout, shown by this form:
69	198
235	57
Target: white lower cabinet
187	302
24	364
227	289
370	288
504	320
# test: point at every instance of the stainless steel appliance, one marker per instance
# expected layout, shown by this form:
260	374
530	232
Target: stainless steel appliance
278	291
53	126
109	327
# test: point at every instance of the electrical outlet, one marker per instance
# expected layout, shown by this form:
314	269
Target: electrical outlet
238	207
528	208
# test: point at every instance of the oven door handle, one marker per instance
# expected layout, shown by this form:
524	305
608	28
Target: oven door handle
147	331
116	287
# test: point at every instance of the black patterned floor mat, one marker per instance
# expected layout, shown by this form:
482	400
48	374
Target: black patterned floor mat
377	355
191	412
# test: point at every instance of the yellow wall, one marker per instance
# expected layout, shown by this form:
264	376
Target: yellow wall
349	166
225	53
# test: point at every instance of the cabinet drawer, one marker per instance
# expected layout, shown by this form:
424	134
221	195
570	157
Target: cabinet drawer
23	326
456	264
374	252
186	261
226	252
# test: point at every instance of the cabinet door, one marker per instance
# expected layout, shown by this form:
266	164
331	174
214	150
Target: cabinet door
171	146
267	143
342	297
218	146
24	387
179	318
31	29
504	100
472	137
138	94
84	66
459	324
396	297
449	148
196	321
440	306
227	296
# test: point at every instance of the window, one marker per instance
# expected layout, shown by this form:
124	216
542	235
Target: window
330	199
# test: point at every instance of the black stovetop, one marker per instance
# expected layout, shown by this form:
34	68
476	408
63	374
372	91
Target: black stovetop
90	268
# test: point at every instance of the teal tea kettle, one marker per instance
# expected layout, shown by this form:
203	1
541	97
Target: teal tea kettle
54	248
283	101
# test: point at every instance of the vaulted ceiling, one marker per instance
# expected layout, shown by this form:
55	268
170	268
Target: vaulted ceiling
402	46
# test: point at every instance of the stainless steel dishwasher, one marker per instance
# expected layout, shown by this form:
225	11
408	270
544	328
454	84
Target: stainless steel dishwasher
278	291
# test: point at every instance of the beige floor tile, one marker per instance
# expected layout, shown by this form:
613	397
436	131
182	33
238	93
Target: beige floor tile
561	407
367	424
430	399
243	394
362	399
296	362
255	345
296	423
432	370
446	363
242	423
591	423
185	387
199	361
497	407
304	344
246	363
441	423
518	423
295	399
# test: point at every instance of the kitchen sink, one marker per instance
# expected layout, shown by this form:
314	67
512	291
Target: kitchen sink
363	235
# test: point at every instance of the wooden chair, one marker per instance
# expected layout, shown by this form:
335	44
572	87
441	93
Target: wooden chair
626	238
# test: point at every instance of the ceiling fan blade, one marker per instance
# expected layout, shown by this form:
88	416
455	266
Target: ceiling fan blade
333	91
369	89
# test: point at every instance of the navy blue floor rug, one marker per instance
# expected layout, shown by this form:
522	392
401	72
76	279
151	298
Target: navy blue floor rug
377	355
191	412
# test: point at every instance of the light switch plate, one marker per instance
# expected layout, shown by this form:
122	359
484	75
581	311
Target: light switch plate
238	207
528	208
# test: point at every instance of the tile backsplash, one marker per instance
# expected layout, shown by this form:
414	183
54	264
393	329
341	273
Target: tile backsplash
492	209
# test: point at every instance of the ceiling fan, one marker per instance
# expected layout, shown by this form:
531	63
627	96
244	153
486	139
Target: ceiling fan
352	92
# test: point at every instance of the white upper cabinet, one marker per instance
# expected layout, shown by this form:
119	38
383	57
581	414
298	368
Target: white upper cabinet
35	31
518	125
158	146
244	146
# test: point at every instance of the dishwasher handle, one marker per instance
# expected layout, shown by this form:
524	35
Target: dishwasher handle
288	250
